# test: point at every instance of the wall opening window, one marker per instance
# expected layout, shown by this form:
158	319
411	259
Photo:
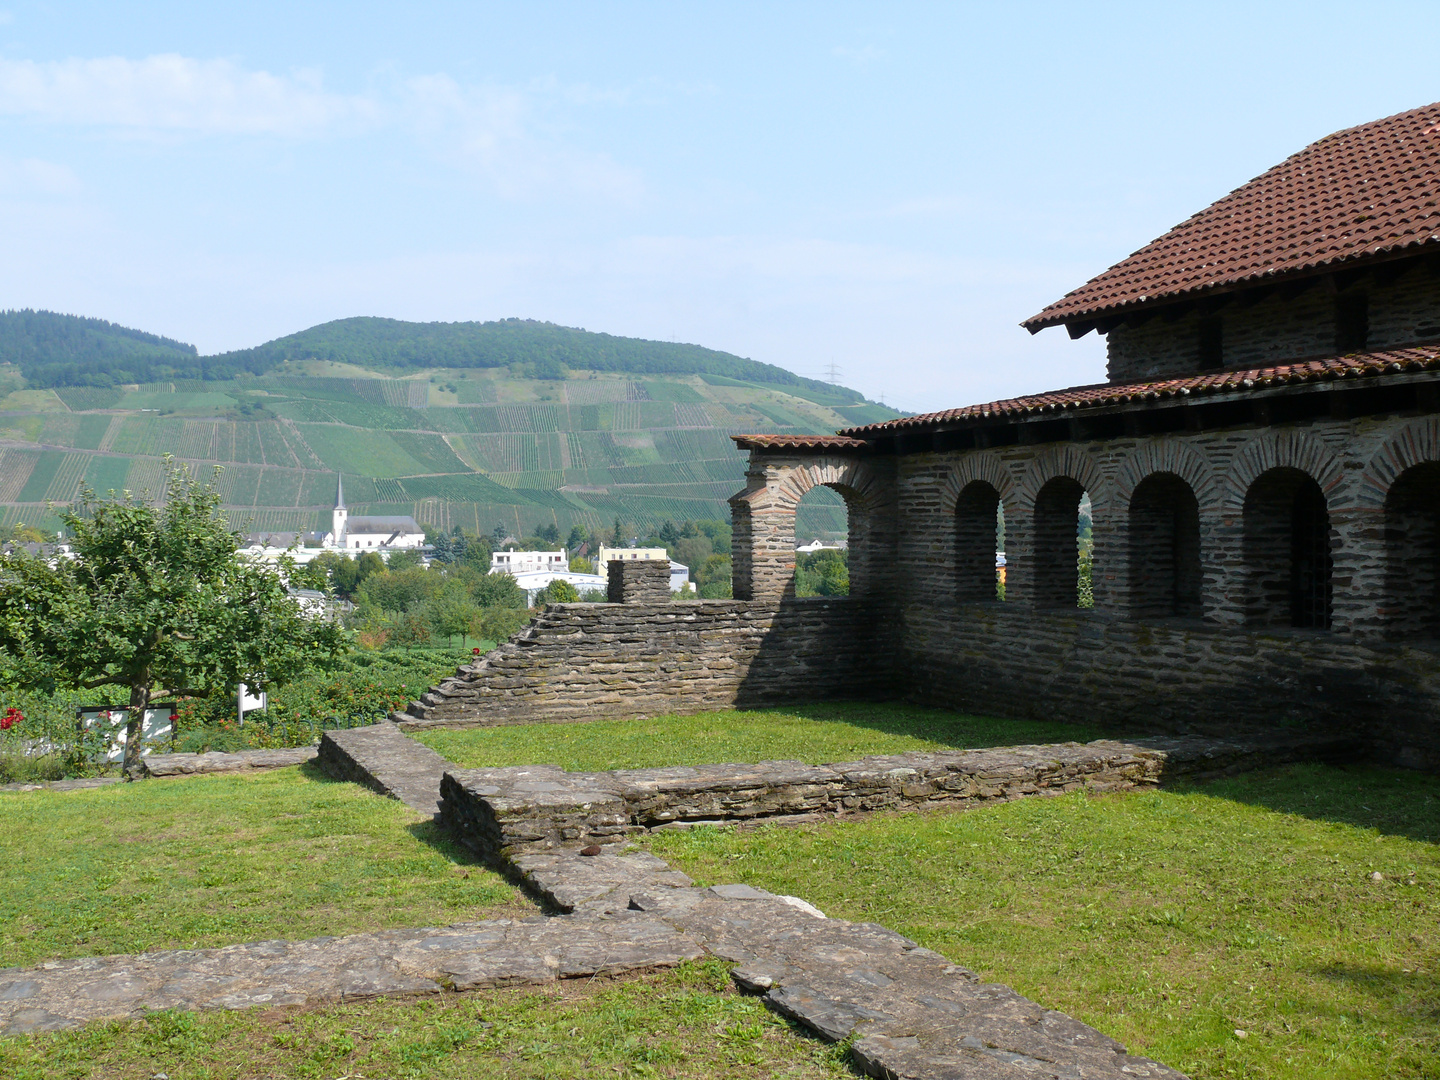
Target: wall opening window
1062	570
1212	342
1287	551
978	543
1411	603
1164	549
1352	322
822	543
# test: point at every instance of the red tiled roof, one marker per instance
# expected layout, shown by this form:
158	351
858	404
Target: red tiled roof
797	442
1357	366
1369	190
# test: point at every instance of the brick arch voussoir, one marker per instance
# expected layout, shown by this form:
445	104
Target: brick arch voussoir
852	479
1157	456
1064	460
1417	443
981	467
1290	449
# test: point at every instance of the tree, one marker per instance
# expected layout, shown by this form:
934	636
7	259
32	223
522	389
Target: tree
450	611
157	600
581	565
558	591
618	538
442	549
549	533
499	533
368	564
576	538
669	534
404	559
477	553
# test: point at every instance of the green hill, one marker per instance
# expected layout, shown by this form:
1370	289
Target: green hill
498	423
66	350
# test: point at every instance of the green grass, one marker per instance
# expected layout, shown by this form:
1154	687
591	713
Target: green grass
685	1023
817	734
1168	919
209	861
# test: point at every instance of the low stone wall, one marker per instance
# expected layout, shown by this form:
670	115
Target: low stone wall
503	813
583	661
1014	660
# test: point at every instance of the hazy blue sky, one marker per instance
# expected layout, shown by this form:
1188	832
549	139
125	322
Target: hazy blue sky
890	188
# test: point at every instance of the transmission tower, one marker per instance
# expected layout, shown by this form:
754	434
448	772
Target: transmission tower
832	373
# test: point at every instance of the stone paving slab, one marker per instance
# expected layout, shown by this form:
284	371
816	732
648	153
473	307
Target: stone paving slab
67	993
385	760
83	783
160	765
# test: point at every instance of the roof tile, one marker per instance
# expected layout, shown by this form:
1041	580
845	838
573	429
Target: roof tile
1354	366
1366	191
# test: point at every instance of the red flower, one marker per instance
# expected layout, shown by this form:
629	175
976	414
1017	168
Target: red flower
12	717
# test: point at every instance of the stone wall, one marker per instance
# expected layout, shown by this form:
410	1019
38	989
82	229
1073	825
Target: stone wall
1226	652
1182	677
582	661
1277	329
642	581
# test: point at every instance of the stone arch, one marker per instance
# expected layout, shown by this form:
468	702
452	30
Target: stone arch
1164	456
1285	449
1417	443
763	520
980	466
853	479
1062	460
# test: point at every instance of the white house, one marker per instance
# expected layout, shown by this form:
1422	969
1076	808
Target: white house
516	563
820	545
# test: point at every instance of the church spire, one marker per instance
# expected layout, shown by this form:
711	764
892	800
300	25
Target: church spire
339	492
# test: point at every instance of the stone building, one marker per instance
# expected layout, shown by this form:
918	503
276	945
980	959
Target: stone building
1263	467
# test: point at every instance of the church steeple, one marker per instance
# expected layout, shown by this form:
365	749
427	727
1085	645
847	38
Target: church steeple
339	517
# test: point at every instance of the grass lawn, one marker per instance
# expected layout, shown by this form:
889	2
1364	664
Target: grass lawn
682	1024
214	860
816	734
1171	920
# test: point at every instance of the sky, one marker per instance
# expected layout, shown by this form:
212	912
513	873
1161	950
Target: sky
880	190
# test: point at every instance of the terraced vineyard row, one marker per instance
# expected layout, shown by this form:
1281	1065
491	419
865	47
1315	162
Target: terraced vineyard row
476	452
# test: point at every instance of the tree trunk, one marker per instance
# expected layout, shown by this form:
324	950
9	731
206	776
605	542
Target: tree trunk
134	724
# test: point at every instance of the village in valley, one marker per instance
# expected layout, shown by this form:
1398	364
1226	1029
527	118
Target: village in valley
499	698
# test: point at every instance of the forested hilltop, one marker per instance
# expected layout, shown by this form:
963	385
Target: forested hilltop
54	350
70	350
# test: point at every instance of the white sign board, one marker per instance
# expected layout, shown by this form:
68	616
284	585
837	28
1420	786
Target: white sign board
248	702
154	728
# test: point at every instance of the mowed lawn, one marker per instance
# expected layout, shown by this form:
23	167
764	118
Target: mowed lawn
215	860
1173	920
686	1024
816	734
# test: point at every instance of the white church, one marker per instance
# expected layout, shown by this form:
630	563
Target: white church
380	534
369	533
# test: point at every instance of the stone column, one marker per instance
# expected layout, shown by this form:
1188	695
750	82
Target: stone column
638	581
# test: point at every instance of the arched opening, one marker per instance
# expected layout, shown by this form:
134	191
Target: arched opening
1411	604
822	543
1061	572
1287	551
1164	549
979	540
